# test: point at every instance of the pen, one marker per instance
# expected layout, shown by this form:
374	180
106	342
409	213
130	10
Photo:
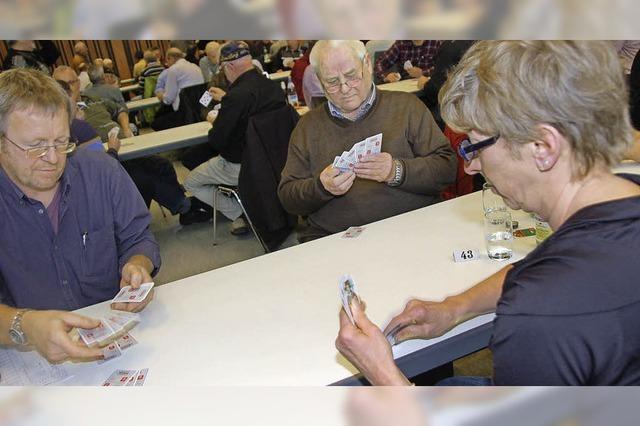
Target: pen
84	239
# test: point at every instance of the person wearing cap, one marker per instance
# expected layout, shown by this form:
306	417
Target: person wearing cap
180	74
250	93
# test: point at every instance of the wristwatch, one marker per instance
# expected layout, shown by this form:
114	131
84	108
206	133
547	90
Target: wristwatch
398	174
15	332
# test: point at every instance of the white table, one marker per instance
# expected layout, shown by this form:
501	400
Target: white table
127	81
409	86
167	140
125	89
282	75
273	320
141	104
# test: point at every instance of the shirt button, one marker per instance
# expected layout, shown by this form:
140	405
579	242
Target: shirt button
40	211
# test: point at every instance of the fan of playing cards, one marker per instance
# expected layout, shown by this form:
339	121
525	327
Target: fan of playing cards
348	160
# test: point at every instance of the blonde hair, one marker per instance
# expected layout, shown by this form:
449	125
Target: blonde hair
23	88
509	88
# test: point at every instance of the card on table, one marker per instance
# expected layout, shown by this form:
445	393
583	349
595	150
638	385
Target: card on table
119	377
526	232
112	350
353	232
126	341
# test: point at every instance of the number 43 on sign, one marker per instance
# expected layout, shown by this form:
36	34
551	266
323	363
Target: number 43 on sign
465	255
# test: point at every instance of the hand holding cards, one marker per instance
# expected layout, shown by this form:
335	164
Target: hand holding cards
348	159
129	294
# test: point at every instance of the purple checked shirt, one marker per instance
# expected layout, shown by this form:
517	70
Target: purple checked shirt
404	50
102	223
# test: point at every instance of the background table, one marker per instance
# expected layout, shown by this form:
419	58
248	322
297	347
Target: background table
273	320
141	104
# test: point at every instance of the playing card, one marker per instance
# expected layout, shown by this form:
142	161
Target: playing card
119	378
141	376
335	161
113	133
131	295
351	159
126	341
112	350
205	99
347	290
353	232
526	232
408	65
95	336
375	142
361	148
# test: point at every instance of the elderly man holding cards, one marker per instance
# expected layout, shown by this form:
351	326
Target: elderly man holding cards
546	121
367	155
74	229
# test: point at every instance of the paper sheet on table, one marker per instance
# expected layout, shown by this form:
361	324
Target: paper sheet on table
28	368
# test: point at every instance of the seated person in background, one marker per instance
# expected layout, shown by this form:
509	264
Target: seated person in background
390	66
297	73
80	56
567	313
250	93
288	54
107	65
25	54
83	76
153	175
100	89
154	67
141	63
448	56
416	161
180	74
210	62
74	228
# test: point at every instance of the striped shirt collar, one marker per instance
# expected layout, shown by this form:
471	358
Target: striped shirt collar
362	109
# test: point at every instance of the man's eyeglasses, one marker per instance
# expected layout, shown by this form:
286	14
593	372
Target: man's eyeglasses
41	150
468	151
350	80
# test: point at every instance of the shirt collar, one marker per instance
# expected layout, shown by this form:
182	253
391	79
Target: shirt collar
363	109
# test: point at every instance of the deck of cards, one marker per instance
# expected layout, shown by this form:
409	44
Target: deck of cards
129	294
348	291
112	335
353	232
127	378
348	159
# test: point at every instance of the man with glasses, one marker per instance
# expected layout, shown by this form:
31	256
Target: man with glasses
416	161
74	229
546	122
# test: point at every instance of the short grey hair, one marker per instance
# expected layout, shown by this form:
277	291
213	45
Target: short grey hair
149	56
22	89
509	88
317	53
96	73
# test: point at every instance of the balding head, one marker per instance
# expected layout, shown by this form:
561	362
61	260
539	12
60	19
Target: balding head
149	56
174	55
81	49
69	76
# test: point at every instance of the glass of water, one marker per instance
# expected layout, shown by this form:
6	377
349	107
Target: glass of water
498	234
491	200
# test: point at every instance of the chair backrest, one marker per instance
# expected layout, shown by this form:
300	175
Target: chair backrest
464	182
263	158
191	108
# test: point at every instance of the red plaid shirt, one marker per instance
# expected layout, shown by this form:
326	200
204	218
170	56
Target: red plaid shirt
404	50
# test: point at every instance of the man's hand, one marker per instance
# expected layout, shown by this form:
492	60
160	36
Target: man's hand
160	95
114	142
48	332
415	72
134	273
392	77
422	81
217	93
422	320
367	349
335	182
378	167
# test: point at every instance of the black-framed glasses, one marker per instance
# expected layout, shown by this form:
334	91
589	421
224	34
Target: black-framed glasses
41	150
468	151
350	80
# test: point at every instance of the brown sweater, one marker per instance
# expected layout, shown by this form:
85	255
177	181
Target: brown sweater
409	134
